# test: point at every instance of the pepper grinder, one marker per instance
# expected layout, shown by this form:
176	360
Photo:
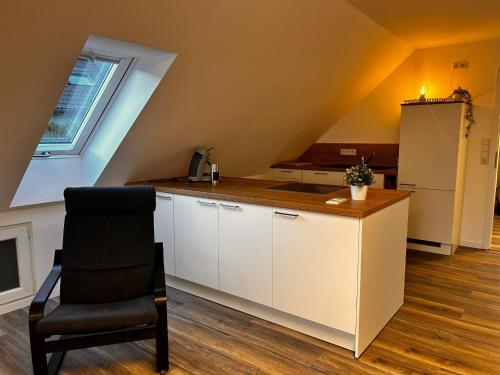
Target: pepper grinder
214	172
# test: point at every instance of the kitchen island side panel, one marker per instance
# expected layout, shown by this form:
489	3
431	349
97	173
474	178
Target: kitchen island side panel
381	272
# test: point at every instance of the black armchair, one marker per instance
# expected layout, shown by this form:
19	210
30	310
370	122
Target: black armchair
112	278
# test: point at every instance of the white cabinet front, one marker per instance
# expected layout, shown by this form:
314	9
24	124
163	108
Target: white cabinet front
378	181
429	145
164	229
315	260
431	214
323	177
196	240
294	175
245	251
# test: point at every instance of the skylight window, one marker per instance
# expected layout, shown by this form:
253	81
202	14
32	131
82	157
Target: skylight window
86	95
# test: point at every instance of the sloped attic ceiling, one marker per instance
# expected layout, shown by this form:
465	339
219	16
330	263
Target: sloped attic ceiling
260	79
425	24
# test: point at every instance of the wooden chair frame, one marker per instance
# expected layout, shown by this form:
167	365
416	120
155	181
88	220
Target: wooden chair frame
40	346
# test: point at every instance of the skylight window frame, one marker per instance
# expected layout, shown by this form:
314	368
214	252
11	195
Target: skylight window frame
96	112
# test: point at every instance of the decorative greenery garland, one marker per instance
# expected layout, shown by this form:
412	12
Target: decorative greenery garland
465	96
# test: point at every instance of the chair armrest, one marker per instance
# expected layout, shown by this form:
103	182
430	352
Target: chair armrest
160	290
37	306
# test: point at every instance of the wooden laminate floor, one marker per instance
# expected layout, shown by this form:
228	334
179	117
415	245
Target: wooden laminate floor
449	324
495	235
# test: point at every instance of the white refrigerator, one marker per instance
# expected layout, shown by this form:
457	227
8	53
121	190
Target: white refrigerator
432	152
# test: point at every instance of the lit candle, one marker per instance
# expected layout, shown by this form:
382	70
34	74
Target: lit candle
423	91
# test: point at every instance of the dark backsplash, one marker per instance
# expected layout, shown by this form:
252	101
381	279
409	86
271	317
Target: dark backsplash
386	154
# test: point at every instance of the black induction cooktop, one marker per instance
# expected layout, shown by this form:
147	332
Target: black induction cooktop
308	188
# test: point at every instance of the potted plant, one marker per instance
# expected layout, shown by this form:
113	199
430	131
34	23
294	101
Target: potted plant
359	177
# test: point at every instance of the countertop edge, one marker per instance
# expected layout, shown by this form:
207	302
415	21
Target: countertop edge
274	202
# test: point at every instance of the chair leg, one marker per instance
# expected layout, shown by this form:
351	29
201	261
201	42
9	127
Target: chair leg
55	362
162	340
38	356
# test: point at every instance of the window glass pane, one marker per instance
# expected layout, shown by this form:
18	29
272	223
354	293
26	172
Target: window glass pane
86	82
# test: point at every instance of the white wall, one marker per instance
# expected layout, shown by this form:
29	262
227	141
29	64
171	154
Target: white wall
47	227
376	118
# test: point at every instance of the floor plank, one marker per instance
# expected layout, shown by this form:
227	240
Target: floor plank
449	324
495	235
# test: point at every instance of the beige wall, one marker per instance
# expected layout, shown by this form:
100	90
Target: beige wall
376	118
261	79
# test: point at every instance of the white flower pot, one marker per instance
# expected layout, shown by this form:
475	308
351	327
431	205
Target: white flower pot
358	193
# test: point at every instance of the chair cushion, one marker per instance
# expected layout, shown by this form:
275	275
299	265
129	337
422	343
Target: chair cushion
98	317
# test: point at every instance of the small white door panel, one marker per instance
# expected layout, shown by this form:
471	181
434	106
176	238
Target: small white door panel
196	240
18	235
164	229
245	251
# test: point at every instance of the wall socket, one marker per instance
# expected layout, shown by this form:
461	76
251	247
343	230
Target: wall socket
348	151
460	65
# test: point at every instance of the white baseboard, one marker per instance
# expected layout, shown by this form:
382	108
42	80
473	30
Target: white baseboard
443	250
473	244
15	305
307	327
23	302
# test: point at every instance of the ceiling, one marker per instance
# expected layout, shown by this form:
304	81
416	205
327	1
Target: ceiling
261	80
428	23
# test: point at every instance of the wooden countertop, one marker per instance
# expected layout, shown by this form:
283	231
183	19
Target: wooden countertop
255	192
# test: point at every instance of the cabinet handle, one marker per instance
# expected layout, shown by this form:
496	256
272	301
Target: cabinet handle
233	207
286	214
211	204
321	173
286	171
166	197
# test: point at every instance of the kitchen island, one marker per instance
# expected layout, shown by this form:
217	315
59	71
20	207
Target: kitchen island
335	272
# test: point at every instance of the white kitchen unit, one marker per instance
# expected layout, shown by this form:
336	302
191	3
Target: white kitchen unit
164	229
332	270
323	177
285	174
246	251
378	181
432	156
308	176
196	237
335	277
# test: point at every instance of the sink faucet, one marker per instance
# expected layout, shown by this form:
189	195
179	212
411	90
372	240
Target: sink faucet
363	161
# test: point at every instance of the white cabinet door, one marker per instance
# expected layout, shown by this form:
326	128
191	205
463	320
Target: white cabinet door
164	229
379	181
280	174
15	255
315	262
196	240
245	251
429	145
323	177
430	216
